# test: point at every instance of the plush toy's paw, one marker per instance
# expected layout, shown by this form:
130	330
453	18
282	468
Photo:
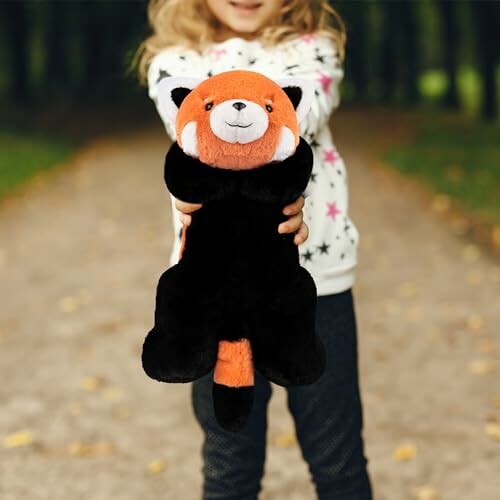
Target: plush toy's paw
182	346
286	349
232	406
177	361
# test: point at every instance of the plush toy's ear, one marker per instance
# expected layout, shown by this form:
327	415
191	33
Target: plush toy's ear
300	92
172	91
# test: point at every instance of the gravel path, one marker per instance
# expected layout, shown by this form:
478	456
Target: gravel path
81	250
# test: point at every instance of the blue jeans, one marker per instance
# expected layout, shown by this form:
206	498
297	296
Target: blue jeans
328	422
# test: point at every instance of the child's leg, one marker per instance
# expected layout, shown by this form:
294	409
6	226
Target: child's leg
233	462
328	414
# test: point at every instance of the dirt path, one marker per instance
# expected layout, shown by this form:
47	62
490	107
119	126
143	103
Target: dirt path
80	254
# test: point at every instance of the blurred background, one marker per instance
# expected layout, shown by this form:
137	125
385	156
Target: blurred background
84	235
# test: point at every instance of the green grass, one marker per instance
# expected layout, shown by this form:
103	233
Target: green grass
461	160
23	154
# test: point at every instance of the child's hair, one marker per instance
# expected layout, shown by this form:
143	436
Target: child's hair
191	23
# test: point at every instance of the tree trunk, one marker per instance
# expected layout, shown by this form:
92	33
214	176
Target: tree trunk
487	16
16	39
450	51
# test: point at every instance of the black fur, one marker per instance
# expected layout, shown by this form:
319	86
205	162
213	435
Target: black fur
294	94
238	278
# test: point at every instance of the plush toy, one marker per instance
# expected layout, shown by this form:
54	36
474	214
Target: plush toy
238	298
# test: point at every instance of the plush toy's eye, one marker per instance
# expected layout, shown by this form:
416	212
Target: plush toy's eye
269	108
209	106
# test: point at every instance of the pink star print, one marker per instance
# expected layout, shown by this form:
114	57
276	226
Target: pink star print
333	211
309	38
329	156
325	81
218	53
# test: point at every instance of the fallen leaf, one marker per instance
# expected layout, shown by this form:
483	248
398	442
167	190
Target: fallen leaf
285	440
492	429
474	277
18	439
495	236
471	253
441	203
69	304
475	322
407	289
433	333
122	412
487	345
112	394
157	466
405	451
481	367
81	449
92	383
426	493
391	306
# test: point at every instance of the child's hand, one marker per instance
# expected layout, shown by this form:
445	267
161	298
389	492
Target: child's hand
295	222
185	209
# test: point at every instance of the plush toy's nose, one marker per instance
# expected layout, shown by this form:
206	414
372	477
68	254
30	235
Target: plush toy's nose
239	106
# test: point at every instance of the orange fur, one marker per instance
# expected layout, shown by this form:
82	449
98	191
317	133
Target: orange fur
237	85
234	366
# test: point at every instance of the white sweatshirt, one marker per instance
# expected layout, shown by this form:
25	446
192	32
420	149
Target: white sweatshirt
330	252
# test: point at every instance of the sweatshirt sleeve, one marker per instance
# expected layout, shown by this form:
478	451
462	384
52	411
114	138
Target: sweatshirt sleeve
173	61
316	58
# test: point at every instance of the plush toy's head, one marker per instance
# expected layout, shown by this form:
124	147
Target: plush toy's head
238	119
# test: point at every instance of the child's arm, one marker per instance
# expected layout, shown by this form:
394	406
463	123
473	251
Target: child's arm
316	58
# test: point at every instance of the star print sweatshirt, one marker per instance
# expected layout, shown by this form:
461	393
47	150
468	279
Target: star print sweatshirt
330	252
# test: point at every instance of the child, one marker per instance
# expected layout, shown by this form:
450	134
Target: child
280	38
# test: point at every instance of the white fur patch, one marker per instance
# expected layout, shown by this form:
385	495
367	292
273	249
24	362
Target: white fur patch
286	146
189	142
238	126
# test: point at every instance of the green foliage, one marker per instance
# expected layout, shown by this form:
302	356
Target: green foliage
22	155
461	160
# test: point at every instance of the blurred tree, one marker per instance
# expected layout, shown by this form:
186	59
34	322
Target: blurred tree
487	18
16	42
450	50
56	29
355	15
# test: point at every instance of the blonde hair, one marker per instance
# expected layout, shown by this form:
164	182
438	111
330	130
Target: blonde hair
192	24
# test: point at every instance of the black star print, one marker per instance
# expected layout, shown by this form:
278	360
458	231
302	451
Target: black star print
339	171
320	59
240	53
352	241
324	248
209	74
183	58
252	61
342	255
162	74
307	256
347	227
314	144
288	68
332	184
316	93
313	177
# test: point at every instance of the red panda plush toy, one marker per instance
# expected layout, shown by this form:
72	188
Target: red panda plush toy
238	298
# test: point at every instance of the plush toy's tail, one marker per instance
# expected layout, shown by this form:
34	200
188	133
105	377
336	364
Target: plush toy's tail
233	384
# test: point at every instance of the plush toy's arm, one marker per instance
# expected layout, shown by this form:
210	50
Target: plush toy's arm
280	182
192	181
